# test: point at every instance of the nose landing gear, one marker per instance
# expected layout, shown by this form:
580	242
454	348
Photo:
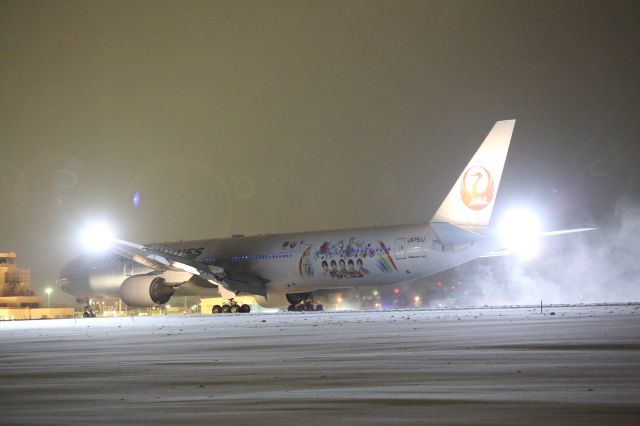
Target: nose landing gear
88	312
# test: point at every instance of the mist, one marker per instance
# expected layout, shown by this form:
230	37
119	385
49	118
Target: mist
600	266
591	267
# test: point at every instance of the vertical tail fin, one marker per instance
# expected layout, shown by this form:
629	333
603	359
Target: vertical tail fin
471	200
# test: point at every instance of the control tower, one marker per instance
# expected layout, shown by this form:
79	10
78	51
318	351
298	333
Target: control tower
15	291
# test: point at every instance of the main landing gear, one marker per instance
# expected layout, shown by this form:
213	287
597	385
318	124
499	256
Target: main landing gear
88	312
305	306
231	308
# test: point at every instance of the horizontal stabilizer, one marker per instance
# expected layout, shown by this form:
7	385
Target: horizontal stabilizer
566	231
497	253
507	252
451	235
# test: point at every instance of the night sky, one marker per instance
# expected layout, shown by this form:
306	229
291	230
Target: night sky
272	116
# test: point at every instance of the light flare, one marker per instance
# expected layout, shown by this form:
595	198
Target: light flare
97	236
520	232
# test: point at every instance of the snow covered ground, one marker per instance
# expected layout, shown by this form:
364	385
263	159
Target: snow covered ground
472	366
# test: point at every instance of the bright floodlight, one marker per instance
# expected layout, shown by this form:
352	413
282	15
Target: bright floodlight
520	232
97	237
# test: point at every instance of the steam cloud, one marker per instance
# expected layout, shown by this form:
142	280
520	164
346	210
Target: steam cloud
590	267
598	266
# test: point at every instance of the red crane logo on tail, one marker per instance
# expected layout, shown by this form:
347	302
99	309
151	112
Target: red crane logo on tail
476	188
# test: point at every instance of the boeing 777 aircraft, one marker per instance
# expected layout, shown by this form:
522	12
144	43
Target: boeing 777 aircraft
282	270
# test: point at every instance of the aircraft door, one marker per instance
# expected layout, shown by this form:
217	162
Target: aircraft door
401	243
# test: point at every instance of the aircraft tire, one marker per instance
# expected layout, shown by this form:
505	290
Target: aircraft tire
216	309
300	308
309	306
234	308
226	309
86	315
319	307
291	308
245	309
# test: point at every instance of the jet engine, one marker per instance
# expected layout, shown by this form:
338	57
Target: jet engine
273	299
145	291
280	300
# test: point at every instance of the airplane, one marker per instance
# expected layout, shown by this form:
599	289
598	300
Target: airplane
284	270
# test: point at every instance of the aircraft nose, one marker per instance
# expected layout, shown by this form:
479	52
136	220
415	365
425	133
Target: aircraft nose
65	283
70	276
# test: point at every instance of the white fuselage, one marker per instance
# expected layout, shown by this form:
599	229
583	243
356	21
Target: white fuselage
297	262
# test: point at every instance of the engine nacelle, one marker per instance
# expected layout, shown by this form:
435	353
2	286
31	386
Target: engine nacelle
281	299
145	291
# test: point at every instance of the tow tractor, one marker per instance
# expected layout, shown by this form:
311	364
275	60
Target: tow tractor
88	312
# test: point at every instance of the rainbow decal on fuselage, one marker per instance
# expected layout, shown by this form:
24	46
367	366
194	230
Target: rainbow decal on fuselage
385	261
306	266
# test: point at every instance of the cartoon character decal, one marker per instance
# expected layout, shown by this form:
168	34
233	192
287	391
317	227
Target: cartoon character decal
340	260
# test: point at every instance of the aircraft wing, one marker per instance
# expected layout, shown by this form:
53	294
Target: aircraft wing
162	259
139	254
